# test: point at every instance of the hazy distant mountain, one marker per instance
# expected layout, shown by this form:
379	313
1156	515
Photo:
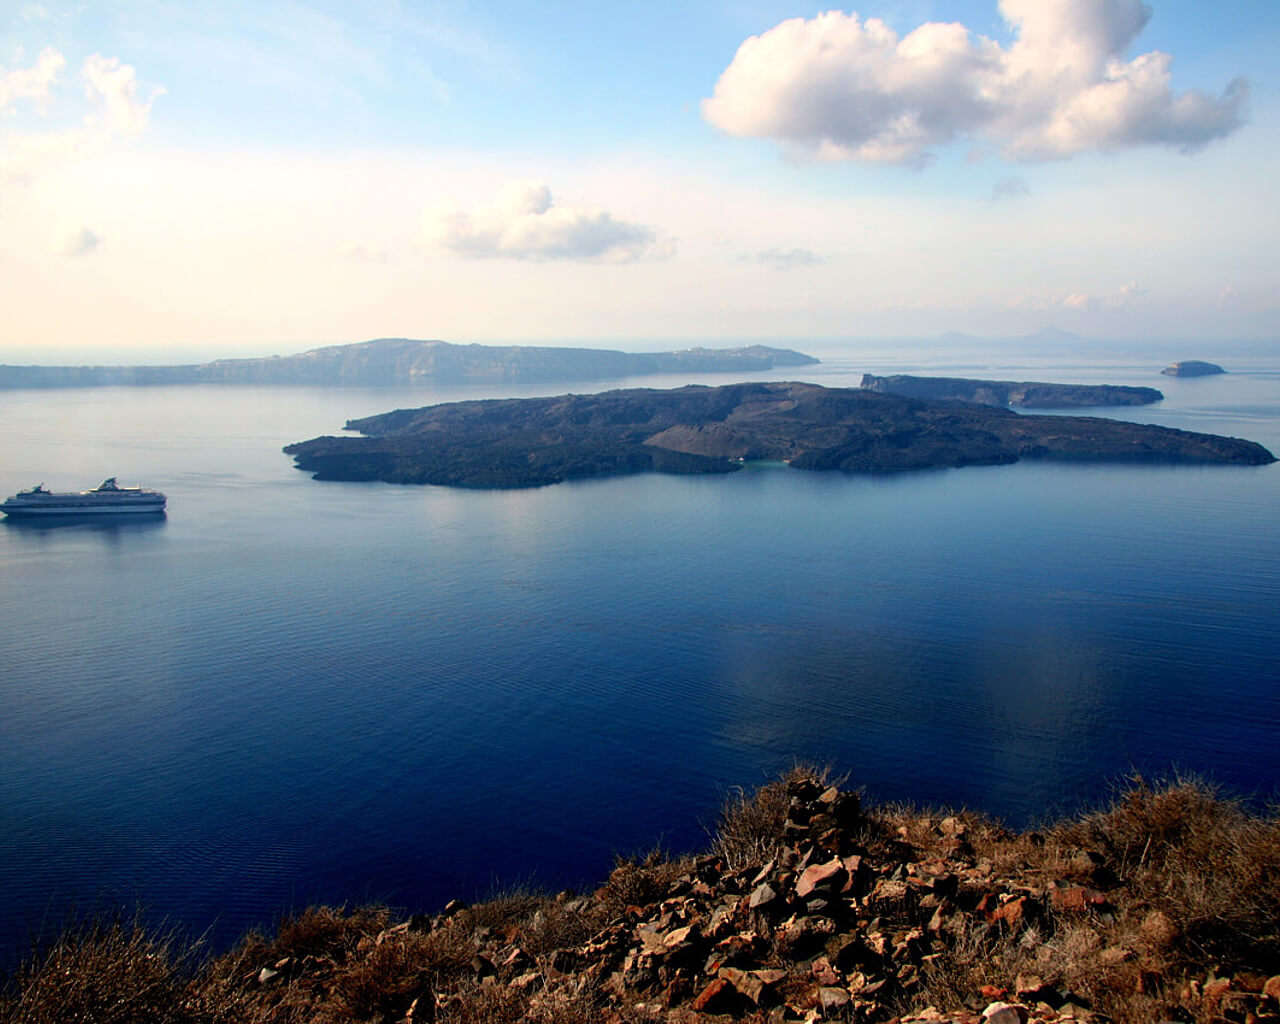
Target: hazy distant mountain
400	361
1045	334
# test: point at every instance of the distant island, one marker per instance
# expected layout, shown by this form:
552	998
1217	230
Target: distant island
404	361
1028	394
1192	368
531	442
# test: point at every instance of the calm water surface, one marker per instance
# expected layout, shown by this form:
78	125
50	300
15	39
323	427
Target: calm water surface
289	691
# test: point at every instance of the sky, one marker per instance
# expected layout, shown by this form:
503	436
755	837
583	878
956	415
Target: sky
261	176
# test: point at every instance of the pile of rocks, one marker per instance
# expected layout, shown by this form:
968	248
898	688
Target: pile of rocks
843	923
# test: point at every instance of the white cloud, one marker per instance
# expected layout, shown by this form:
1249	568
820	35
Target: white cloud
112	87
525	224
1119	299
845	88
33	83
77	242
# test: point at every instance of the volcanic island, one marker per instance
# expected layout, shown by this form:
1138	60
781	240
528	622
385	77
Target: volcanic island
531	442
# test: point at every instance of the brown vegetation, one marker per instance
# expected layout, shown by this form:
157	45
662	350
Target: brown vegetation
1165	905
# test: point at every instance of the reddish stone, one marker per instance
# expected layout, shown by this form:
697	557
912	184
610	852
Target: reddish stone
830	875
1010	913
823	972
718	997
1271	990
1076	899
744	983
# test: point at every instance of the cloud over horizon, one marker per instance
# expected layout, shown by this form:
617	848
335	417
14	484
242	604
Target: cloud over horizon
846	88
116	112
525	224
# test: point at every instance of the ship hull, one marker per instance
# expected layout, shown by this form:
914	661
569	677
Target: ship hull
34	512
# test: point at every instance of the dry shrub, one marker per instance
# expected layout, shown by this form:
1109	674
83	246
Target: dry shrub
114	972
331	932
555	926
385	983
510	910
1201	859
749	829
639	881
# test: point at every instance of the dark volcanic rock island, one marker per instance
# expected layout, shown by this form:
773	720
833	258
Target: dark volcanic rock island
404	361
1028	394
529	442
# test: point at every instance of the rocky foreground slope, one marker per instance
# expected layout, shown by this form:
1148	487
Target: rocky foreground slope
535	441
808	906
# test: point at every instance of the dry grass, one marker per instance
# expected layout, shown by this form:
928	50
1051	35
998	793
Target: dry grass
1202	860
114	972
749	829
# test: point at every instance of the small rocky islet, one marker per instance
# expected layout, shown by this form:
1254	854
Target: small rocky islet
1192	368
530	442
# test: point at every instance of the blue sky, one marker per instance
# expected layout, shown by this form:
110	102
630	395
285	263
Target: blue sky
266	176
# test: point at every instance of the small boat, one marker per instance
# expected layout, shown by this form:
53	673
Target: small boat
107	497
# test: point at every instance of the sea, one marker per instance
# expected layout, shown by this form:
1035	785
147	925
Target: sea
289	692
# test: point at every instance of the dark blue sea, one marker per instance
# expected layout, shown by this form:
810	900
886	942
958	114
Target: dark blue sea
289	691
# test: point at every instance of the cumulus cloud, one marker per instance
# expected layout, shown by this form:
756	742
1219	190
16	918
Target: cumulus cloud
845	88
788	259
33	83
77	242
110	87
525	224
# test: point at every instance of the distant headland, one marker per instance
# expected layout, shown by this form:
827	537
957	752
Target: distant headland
1027	394
404	361
530	442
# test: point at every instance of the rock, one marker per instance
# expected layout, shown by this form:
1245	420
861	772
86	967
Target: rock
828	877
1158	930
718	997
823	973
832	998
744	983
1076	899
1192	368
1271	989
1006	1013
762	897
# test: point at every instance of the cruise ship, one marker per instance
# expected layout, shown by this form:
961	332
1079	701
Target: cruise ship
107	497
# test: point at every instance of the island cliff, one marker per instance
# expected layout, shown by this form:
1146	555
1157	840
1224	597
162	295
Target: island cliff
535	441
1028	394
404	361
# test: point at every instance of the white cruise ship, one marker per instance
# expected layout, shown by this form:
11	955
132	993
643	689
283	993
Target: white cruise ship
107	497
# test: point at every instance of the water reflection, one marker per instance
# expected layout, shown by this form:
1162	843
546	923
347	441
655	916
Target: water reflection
101	523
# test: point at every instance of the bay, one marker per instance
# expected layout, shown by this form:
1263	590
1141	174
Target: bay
291	691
